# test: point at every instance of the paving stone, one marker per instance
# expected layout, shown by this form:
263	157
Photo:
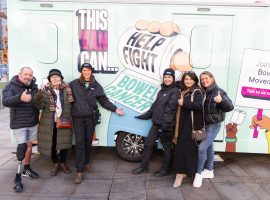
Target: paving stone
93	186
128	185
260	191
96	196
168	193
206	191
135	195
234	190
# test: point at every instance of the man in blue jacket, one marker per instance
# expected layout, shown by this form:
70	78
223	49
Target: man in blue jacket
18	95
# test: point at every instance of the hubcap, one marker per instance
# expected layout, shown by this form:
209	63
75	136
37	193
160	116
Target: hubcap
133	145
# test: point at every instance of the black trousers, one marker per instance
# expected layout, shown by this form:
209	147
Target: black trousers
84	129
153	135
62	157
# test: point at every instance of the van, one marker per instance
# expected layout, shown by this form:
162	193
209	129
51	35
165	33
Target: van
130	43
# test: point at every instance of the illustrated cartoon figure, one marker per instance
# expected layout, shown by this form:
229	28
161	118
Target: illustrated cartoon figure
237	118
145	50
179	60
263	123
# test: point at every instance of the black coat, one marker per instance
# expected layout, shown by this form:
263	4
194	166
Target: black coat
85	99
22	114
215	112
162	112
186	151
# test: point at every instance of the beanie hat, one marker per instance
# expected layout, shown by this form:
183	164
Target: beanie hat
87	65
170	72
54	72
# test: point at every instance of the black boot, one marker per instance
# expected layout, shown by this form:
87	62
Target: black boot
18	186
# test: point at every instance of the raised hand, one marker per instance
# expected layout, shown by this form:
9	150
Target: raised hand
120	111
218	98
263	123
181	100
26	97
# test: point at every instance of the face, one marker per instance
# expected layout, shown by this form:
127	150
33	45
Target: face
206	80
86	72
167	80
188	82
55	80
26	76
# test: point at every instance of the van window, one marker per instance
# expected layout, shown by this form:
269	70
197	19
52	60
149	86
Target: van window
47	43
201	46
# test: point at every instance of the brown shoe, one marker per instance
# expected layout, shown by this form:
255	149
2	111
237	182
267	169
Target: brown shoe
78	177
55	169
88	168
65	168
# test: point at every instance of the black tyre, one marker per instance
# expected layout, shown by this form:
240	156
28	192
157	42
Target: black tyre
130	146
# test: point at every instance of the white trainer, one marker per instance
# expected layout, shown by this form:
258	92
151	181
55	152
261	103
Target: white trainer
207	173
197	183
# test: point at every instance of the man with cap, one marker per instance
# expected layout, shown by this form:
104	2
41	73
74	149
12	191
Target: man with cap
18	96
86	92
162	113
55	101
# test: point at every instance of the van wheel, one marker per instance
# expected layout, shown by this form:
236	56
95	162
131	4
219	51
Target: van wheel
130	146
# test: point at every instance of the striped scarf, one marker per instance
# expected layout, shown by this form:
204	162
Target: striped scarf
63	85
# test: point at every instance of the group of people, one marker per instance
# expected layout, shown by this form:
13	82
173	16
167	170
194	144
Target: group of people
77	102
57	100
176	104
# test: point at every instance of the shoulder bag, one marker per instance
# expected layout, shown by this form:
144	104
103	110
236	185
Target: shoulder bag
197	135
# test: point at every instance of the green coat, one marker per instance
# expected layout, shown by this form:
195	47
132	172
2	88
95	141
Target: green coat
45	129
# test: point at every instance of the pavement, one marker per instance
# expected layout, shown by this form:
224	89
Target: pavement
240	176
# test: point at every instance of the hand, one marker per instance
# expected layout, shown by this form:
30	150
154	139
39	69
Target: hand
138	117
264	123
181	101
39	95
120	111
231	130
218	98
26	97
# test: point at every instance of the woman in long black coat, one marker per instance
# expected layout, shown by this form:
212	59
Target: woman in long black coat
186	152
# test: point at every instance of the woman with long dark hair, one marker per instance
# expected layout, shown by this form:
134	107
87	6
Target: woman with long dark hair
186	150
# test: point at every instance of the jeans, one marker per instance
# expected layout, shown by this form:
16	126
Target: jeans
206	150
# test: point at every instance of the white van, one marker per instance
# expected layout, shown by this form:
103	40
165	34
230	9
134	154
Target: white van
130	43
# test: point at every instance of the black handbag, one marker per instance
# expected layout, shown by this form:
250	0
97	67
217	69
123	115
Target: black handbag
197	135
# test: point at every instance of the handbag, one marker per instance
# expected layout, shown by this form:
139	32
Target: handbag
63	123
197	135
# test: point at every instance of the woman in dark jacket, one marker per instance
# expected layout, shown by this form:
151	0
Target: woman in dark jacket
216	104
162	113
186	150
87	91
55	102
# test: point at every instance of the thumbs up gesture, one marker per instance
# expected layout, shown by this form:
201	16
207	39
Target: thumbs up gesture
25	97
181	100
218	98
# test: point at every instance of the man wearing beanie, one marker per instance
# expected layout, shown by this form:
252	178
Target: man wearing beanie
87	91
162	113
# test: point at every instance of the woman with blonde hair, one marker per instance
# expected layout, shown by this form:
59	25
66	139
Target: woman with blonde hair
215	105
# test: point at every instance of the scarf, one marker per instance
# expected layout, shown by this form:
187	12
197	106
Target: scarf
178	112
63	85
